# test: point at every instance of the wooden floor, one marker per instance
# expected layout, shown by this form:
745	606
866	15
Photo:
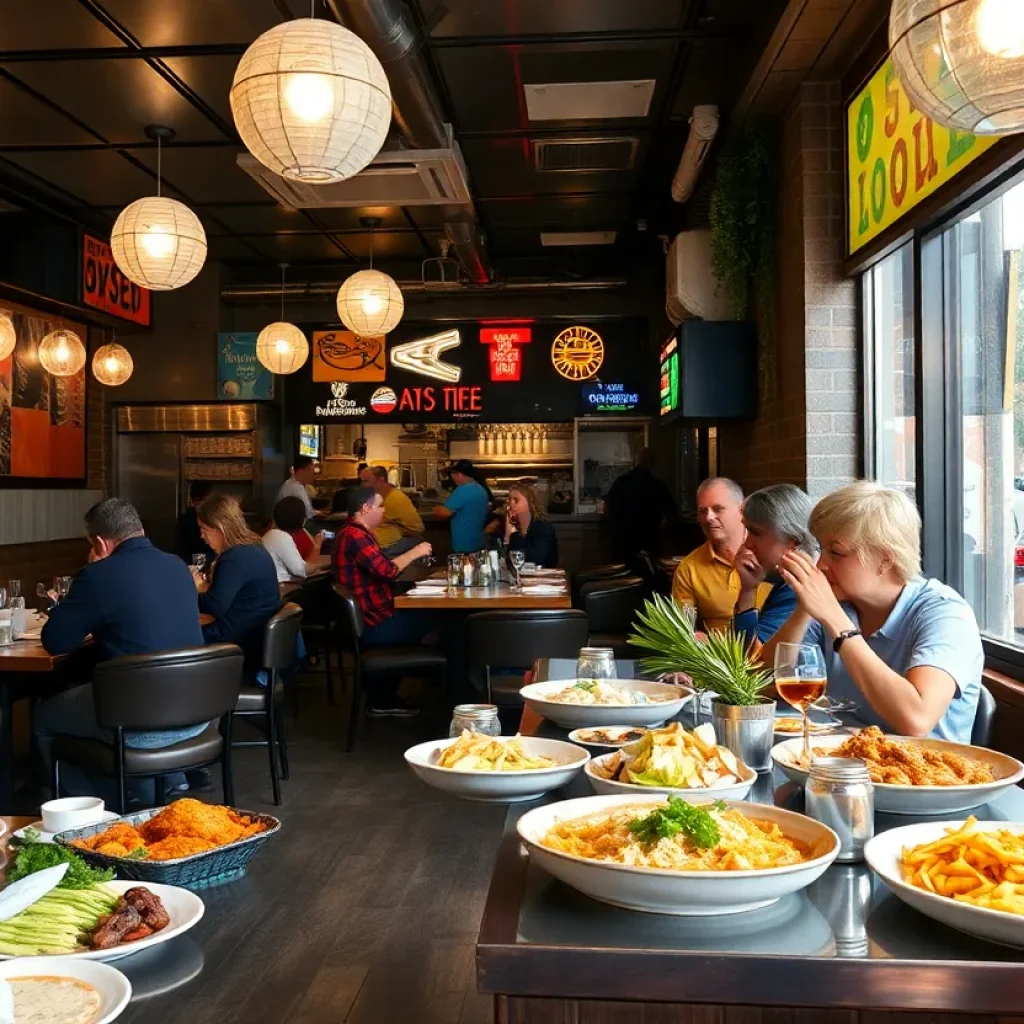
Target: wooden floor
364	909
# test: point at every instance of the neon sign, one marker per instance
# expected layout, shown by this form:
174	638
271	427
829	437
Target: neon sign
505	353
577	353
424	356
610	398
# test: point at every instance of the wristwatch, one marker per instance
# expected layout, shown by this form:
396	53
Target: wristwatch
845	635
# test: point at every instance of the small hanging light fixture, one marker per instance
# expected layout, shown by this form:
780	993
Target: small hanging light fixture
370	303
61	353
112	364
158	242
281	347
311	101
8	335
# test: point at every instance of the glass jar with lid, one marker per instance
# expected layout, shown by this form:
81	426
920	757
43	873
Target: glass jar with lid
596	663
481	718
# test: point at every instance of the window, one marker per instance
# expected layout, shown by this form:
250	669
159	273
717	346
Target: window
889	316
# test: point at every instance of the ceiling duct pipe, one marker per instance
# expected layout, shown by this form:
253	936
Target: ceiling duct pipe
386	27
703	129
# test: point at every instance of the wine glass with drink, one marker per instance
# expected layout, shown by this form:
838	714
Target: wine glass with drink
800	680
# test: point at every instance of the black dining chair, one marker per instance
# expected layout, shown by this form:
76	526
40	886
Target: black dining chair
611	606
597	572
367	661
511	641
984	718
165	690
280	636
316	600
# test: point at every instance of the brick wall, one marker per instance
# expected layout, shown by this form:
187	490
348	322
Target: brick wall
807	432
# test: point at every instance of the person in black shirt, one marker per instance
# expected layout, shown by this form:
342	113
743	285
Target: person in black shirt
637	506
527	530
190	538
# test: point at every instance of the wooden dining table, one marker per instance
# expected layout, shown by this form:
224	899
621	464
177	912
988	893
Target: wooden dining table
495	598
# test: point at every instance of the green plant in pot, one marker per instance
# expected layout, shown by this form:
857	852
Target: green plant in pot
721	663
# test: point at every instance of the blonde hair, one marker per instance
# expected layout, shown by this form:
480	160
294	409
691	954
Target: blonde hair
222	512
529	492
870	517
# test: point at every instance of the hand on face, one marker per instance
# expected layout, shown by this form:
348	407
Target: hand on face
749	569
813	590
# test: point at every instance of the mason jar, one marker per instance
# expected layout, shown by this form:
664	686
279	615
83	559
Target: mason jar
482	718
596	663
839	793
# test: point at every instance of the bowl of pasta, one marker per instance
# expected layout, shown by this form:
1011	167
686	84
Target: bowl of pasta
665	855
965	874
576	703
496	769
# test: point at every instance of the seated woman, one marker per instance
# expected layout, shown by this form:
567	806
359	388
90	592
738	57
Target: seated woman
283	541
776	522
905	648
243	594
527	530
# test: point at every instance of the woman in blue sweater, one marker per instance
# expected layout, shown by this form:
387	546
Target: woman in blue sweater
243	594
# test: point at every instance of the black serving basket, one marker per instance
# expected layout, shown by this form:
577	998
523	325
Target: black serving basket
198	871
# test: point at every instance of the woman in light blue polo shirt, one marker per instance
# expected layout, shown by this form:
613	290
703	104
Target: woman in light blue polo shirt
906	649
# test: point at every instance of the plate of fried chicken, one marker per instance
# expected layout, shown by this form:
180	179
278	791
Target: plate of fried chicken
912	775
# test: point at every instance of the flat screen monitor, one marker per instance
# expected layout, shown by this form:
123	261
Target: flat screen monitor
309	440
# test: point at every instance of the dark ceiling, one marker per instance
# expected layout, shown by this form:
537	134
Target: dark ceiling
80	80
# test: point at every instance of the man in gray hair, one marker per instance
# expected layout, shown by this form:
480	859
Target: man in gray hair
706	579
776	522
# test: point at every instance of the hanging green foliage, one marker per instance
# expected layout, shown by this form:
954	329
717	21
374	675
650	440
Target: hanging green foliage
743	221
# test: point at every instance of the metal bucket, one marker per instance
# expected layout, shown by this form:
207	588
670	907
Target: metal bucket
747	730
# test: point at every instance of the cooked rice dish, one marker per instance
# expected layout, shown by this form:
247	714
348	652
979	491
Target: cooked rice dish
594	691
744	845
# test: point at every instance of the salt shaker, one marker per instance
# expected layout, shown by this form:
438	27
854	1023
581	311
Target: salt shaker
840	794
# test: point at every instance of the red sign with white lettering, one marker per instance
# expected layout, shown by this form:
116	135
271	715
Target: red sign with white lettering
105	287
506	356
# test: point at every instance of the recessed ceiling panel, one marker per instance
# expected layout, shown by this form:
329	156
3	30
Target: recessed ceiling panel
206	175
256	218
28	121
52	25
208	77
347	217
287	248
187	22
97	178
386	245
229	249
117	98
568	212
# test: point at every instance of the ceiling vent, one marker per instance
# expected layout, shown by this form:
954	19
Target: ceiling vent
588	101
406	177
585	156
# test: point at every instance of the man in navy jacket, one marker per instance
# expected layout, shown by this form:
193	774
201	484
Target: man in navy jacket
131	598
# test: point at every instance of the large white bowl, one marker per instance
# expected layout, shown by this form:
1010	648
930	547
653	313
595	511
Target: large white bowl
113	987
737	791
884	852
917	800
683	893
499	787
572	716
184	908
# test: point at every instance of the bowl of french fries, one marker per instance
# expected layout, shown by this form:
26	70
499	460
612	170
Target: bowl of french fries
965	874
673	760
496	769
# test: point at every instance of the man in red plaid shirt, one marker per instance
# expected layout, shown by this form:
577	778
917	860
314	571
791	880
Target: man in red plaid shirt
367	573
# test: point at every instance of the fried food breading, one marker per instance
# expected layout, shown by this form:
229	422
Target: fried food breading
907	764
119	840
174	847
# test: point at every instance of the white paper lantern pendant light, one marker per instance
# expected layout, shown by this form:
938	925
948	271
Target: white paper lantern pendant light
281	347
962	61
370	303
112	364
8	335
61	353
158	242
311	101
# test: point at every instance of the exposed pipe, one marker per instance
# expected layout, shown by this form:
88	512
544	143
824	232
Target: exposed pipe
323	289
385	26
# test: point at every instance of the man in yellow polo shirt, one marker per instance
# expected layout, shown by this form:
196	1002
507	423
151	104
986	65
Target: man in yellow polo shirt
401	529
705	579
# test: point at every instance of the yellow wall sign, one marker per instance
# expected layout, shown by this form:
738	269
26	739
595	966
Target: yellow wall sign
896	156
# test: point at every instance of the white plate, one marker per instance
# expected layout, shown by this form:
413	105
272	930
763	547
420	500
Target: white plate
883	854
185	909
499	787
47	837
830	724
684	893
917	800
572	716
113	987
576	736
737	791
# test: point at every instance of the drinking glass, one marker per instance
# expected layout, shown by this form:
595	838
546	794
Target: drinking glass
518	560
61	586
199	562
3	597
454	570
800	680
14	588
596	663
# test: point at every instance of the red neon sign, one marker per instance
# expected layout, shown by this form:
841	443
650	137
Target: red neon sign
506	356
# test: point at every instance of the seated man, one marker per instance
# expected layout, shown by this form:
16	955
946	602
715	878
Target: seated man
131	598
401	528
362	568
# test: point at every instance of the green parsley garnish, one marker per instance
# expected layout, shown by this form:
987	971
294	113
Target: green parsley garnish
590	685
678	816
33	856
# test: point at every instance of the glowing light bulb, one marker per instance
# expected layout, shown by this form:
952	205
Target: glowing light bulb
1000	27
282	347
371	304
111	365
158	242
310	97
62	352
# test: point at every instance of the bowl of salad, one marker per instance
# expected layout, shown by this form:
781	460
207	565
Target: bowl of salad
576	703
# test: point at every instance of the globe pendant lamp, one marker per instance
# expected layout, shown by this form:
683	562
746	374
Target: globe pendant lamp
8	335
61	353
369	302
961	62
112	364
311	101
157	242
281	347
